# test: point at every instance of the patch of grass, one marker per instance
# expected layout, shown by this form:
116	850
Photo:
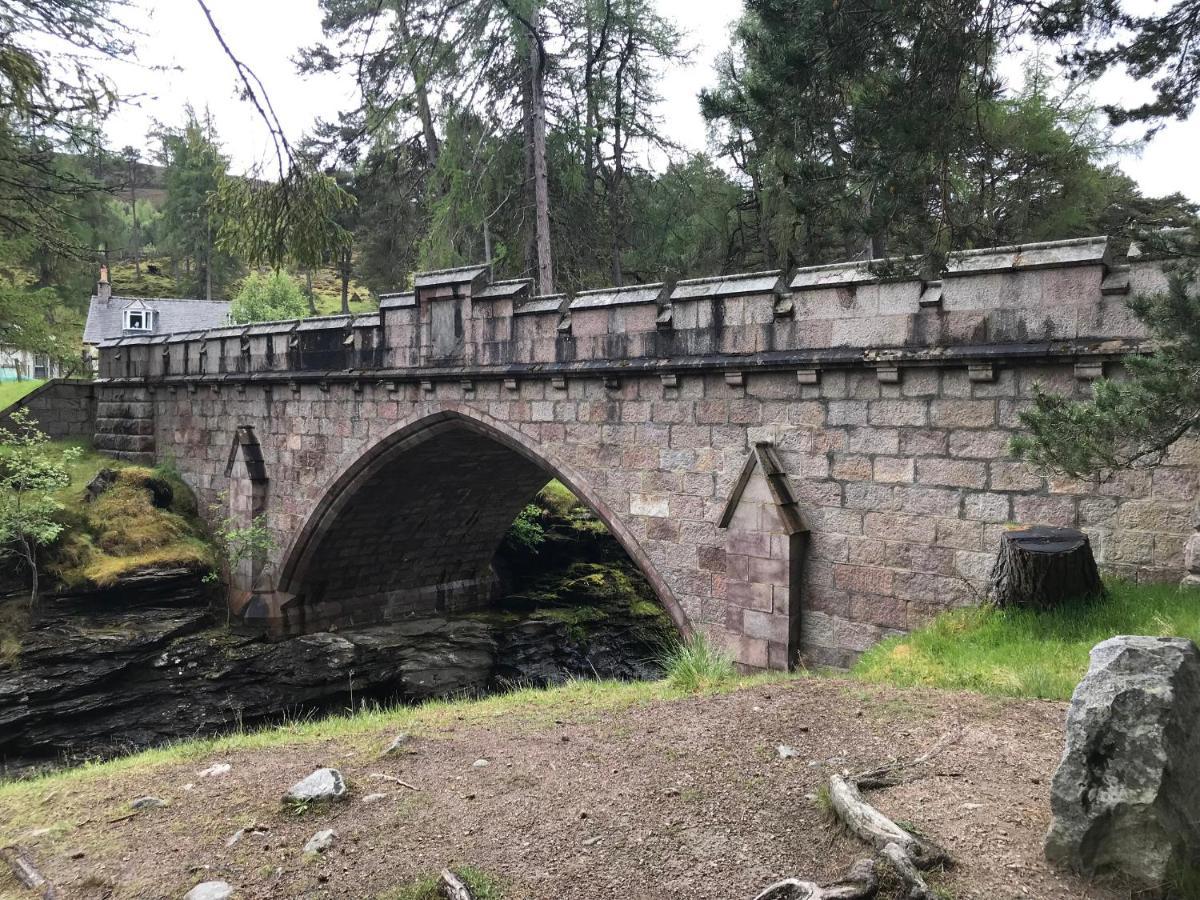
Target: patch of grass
482	885
824	803
697	664
1023	653
12	391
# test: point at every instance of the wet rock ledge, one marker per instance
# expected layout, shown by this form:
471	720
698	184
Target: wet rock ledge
98	674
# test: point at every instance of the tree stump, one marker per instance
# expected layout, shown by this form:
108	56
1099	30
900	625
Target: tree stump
1042	568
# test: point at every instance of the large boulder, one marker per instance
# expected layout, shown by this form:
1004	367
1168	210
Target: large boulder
1126	796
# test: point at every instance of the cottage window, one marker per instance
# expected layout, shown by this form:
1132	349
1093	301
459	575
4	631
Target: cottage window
139	320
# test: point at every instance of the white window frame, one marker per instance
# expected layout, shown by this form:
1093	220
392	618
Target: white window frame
146	317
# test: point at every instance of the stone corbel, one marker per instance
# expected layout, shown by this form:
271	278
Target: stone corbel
981	372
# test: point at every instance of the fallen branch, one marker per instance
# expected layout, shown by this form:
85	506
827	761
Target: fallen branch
27	873
895	773
394	780
451	887
858	884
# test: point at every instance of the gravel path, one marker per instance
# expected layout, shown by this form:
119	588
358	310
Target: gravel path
685	799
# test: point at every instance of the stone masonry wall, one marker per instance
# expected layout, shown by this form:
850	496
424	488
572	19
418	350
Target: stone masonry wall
63	409
905	486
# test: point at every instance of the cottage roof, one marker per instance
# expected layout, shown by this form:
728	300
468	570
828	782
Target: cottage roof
105	319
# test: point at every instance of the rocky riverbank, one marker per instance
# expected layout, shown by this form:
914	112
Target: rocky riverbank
97	672
96	675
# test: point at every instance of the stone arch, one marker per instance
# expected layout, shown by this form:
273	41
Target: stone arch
381	510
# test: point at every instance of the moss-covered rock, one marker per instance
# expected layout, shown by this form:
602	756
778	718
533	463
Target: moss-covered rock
125	519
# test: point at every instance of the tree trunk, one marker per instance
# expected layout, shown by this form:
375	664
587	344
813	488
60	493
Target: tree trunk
541	177
345	261
1043	567
137	238
432	146
528	226
308	292
208	263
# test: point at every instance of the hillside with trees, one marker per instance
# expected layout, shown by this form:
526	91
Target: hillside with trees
531	135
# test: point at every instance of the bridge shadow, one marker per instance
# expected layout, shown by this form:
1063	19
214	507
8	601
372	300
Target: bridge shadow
412	528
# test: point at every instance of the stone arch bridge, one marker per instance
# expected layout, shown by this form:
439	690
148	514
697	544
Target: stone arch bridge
801	463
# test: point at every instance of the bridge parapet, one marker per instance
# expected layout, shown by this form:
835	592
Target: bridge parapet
1062	297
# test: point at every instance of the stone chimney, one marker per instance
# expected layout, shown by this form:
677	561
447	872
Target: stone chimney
103	287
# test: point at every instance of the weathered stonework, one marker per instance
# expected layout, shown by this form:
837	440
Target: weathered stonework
398	447
62	408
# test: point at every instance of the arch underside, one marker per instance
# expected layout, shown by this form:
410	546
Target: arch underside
413	529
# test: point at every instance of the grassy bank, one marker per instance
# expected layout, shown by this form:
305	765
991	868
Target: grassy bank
1018	653
578	700
12	391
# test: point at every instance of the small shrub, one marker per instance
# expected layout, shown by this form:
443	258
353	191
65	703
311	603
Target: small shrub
268	298
30	474
526	533
235	542
697	664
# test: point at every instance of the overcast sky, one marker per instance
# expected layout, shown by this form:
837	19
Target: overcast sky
267	33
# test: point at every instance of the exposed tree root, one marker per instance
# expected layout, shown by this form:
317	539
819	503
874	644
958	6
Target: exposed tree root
26	872
451	887
872	827
900	850
860	882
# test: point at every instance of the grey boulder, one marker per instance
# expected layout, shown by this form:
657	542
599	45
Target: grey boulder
210	890
1126	796
320	842
321	785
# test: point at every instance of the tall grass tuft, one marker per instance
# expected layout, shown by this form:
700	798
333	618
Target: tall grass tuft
696	664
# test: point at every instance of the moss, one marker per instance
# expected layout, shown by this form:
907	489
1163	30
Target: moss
557	500
122	531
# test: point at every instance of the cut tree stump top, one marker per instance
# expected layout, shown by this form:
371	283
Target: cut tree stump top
1046	539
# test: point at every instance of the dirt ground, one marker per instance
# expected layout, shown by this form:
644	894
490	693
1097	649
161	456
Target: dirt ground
684	798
